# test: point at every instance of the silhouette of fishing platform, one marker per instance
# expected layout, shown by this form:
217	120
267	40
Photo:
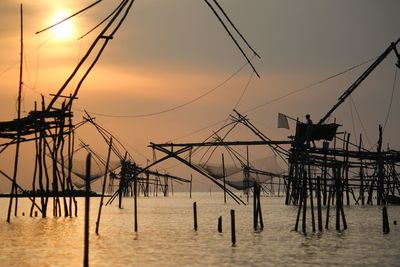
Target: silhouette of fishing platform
337	172
50	127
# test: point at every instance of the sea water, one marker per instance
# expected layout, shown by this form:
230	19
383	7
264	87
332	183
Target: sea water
166	236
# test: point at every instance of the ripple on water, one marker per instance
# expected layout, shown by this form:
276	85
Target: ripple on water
166	236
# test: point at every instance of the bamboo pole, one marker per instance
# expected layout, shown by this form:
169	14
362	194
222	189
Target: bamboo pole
338	196
220	224
328	208
319	211
223	175
259	209
311	199
40	165
190	191
380	190
13	186
325	170
195	215
46	174
385	219
255	212
346	171
135	199
35	170
104	187
304	193
361	191
300	206
87	209
233	230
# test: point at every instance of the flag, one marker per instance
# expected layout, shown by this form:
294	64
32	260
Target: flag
282	121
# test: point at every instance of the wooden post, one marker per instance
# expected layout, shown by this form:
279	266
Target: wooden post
71	145
104	187
223	175
361	174
220	224
296	227
338	187
328	207
195	215
259	209
300	203
247	172
147	193
156	187
380	170
87	208
346	171
255	213
34	172
385	219
121	183
319	211
343	216
190	191
172	187
326	148
304	193
311	199
233	231
14	183
135	198
290	178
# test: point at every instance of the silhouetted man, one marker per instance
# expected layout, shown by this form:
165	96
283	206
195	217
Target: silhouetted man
309	130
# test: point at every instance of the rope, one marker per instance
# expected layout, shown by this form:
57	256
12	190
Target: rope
391	99
12	65
359	119
175	107
278	98
352	121
244	90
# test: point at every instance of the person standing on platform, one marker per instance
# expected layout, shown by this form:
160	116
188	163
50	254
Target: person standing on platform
309	131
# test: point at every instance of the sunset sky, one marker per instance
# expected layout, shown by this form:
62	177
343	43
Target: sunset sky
169	52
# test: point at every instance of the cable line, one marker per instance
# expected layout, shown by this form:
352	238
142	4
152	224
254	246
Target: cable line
175	107
391	99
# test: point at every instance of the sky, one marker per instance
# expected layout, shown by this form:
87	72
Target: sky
170	52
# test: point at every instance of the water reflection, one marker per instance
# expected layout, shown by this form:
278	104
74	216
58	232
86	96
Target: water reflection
166	236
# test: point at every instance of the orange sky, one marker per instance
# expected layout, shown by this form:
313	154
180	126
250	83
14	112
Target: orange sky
169	52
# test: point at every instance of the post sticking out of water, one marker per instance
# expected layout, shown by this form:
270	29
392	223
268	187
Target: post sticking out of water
233	231
87	207
386	228
220	224
319	211
14	181
223	175
255	211
104	187
191	178
195	215
135	199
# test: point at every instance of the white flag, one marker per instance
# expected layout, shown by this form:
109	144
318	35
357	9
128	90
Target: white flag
282	121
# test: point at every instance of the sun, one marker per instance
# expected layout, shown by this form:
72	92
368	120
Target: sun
65	29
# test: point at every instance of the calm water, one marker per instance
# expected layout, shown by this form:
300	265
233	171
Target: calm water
166	236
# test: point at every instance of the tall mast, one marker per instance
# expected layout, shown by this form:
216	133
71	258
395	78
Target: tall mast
14	182
20	67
